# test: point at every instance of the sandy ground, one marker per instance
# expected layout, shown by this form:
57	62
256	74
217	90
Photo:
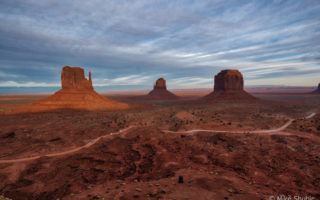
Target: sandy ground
222	150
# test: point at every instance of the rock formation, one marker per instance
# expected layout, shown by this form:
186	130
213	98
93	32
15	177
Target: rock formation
160	91
317	91
228	85
228	80
73	78
77	93
160	84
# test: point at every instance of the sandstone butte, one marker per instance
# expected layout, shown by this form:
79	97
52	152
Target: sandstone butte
228	85
160	91
317	91
77	93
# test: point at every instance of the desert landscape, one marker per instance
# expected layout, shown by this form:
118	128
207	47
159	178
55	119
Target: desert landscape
229	145
159	100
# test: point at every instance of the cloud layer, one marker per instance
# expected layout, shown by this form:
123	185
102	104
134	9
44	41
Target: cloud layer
135	42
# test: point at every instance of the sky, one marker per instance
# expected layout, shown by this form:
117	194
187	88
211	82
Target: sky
129	44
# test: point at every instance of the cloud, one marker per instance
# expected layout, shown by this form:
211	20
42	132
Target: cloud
6	75
190	82
132	42
27	84
126	80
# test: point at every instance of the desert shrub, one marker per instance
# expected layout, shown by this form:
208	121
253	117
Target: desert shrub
4	198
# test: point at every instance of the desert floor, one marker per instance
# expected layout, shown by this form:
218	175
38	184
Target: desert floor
222	150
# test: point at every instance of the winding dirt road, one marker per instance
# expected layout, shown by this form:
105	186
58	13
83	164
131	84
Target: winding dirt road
230	131
268	131
190	132
276	131
89	144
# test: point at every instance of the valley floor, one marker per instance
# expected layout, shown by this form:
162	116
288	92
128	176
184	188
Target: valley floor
222	150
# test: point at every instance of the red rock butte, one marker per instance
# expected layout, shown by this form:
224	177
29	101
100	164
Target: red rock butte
317	91
228	85
72	78
160	91
77	93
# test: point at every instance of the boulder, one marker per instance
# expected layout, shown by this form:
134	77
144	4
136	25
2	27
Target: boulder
228	85
184	116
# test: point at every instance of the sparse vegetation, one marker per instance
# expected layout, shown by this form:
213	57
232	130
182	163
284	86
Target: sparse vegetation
149	158
4	198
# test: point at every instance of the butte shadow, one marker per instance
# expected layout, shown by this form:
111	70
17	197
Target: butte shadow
77	93
228	86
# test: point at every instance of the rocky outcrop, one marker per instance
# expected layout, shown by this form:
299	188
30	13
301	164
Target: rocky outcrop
317	91
160	91
73	78
227	80
77	93
160	84
228	85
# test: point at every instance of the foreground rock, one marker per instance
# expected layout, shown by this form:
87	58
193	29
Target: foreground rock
317	91
160	91
228	85
77	93
213	166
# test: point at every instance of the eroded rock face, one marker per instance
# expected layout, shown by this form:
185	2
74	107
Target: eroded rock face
160	91
73	78
160	84
228	86
77	93
228	80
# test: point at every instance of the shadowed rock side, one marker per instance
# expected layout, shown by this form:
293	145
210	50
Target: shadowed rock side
317	91
77	93
160	91
228	85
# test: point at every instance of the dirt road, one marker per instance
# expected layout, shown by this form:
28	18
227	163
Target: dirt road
267	131
278	131
89	144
